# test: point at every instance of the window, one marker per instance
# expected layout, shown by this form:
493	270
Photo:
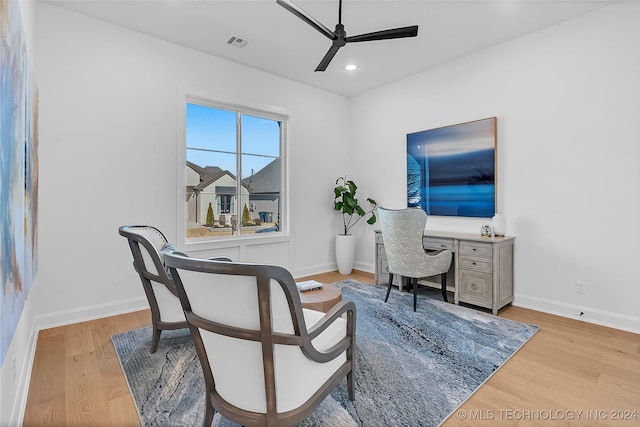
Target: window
225	202
234	171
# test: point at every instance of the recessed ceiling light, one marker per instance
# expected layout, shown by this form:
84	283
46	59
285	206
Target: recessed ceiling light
351	67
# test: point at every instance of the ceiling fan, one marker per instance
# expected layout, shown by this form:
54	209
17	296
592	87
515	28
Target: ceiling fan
339	36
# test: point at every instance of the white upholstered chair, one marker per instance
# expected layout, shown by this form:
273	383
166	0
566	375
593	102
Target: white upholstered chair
402	231
147	245
266	360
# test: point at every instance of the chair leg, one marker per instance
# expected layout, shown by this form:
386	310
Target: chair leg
209	412
156	339
443	278
414	283
351	386
389	287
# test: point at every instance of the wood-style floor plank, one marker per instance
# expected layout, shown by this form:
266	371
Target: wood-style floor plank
583	373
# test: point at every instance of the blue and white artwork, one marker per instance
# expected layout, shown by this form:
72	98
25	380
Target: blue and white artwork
18	172
451	171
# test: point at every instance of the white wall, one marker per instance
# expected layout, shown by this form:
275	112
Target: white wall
109	101
109	132
567	102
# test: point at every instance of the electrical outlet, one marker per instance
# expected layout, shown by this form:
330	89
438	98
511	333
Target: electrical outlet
580	287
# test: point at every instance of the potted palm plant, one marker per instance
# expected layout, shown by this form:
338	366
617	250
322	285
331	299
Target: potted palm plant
352	212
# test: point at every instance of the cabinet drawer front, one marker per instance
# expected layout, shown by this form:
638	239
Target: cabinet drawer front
477	264
435	243
379	238
475	288
475	248
381	252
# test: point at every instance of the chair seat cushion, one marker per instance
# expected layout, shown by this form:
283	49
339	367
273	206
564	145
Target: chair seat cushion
298	378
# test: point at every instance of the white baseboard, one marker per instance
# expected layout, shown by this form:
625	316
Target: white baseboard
591	315
22	386
366	267
324	268
61	318
316	269
66	317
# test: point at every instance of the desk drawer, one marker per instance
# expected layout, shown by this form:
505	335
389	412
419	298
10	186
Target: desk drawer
477	264
381	252
476	249
476	288
436	243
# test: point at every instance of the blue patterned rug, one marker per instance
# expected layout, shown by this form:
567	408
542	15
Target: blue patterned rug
413	369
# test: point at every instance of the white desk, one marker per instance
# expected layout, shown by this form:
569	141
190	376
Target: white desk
481	272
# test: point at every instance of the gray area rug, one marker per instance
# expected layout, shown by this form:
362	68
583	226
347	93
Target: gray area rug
413	369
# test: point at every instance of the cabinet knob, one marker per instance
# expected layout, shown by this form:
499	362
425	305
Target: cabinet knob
474	286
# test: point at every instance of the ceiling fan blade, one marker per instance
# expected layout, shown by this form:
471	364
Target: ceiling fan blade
327	58
395	33
296	10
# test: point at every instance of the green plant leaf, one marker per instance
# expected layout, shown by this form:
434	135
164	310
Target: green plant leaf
345	201
348	199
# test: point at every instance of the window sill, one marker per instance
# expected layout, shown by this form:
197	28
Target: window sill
195	245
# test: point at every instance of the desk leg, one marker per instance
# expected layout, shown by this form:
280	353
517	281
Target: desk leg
456	276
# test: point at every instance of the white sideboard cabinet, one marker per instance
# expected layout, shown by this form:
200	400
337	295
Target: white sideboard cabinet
481	273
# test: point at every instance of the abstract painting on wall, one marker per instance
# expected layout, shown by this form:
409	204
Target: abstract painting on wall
18	172
451	171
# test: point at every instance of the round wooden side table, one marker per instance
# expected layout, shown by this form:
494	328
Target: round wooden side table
321	299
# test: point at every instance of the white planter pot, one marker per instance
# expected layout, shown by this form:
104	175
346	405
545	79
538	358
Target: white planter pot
345	252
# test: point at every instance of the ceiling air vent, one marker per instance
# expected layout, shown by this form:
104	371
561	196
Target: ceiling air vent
237	41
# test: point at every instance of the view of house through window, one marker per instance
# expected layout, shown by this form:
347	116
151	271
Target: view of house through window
233	171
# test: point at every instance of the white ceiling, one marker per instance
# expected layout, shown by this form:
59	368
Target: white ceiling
282	44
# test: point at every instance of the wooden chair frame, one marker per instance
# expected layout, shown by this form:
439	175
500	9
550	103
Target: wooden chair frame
302	337
146	277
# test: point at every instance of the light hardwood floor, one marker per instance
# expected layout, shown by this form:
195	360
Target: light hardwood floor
569	374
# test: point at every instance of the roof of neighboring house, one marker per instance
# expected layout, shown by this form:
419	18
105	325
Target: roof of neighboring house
266	180
208	175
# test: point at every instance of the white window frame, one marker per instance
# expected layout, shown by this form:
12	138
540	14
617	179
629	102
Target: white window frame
207	243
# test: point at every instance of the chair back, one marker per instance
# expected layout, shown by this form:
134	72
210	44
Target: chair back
261	364
148	245
402	231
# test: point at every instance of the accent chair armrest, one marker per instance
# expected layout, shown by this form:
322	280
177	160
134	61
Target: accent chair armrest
333	315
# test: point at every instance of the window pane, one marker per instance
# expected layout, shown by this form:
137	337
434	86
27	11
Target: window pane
211	171
261	174
221	201
260	136
207	126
